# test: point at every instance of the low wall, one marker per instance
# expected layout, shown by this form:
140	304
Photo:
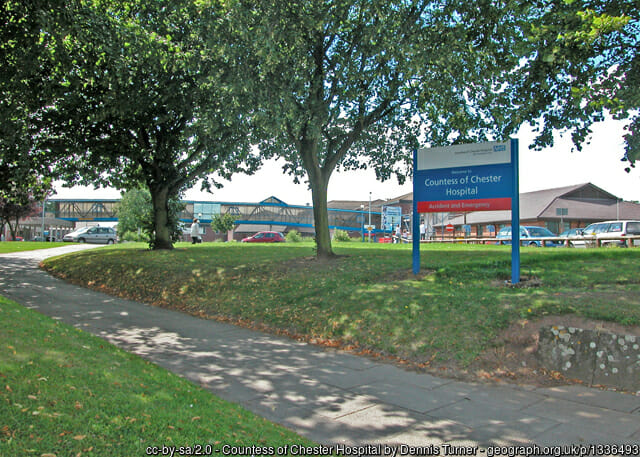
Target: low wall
593	356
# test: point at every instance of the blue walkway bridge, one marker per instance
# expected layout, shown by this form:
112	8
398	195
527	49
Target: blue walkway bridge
269	212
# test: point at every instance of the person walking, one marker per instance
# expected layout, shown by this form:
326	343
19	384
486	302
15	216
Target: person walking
423	231
195	232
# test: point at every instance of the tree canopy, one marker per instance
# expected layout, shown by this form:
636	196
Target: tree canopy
120	93
146	95
355	84
26	67
583	64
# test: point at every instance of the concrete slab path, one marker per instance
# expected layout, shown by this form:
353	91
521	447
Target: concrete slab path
329	396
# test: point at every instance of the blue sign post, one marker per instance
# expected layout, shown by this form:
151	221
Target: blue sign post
415	229
515	217
468	177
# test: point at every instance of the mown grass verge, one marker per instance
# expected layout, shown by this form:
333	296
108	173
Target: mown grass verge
367	298
64	392
18	246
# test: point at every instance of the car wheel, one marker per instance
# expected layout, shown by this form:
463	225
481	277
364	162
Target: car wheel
81	240
533	243
571	245
110	241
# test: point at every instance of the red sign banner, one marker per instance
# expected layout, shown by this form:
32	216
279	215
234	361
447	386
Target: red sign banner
455	206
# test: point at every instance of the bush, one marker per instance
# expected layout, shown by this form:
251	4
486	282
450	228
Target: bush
341	235
293	236
222	223
134	236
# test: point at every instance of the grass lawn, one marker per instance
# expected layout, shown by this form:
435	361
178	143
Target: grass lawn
367	298
17	246
64	392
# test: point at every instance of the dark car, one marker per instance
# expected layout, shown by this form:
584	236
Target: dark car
45	238
265	237
529	236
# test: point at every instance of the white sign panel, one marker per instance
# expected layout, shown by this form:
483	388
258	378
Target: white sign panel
464	155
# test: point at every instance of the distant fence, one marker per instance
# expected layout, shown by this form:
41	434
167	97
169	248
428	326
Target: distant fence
591	240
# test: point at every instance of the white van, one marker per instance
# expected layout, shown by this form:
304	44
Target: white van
611	233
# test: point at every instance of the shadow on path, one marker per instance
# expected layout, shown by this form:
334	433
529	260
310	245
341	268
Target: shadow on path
328	396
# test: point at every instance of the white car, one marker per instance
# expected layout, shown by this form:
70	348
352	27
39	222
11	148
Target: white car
104	235
611	233
571	235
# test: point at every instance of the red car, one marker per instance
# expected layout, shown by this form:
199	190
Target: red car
265	237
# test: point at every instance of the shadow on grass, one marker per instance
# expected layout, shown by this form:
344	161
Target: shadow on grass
326	395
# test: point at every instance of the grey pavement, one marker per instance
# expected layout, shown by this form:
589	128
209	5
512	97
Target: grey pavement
329	396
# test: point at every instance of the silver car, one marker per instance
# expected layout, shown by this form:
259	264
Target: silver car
99	235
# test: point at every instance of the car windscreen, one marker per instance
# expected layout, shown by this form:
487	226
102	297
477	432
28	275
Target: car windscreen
600	228
539	231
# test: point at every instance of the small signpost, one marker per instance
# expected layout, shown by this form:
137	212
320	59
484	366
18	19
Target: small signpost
449	227
391	217
467	177
369	228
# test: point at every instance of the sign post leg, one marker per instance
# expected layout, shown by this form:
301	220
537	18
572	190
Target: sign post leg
415	235
515	217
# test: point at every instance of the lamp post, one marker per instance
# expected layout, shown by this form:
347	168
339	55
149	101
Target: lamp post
44	203
369	217
361	217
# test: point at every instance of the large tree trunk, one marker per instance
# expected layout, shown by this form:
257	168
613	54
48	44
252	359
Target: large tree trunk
319	185
160	200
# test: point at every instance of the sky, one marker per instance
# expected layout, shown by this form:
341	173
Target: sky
598	163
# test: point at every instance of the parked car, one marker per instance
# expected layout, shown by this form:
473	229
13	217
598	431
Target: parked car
611	233
526	233
45	238
106	235
265	237
573	233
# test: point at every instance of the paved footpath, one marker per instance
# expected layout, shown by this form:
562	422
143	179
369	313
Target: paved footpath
329	396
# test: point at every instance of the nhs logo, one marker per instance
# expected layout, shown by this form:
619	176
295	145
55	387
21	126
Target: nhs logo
499	148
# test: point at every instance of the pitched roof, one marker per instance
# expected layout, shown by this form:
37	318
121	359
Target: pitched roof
273	199
583	201
406	198
356	205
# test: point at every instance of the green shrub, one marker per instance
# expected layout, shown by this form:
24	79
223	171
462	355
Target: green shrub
134	236
222	223
341	235
293	236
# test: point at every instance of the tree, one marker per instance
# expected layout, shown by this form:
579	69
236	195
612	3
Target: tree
21	189
24	88
223	223
134	210
146	95
19	200
351	84
582	64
